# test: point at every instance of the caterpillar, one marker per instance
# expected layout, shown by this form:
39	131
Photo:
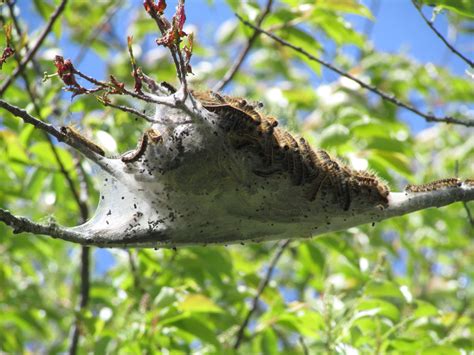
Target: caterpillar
469	182
150	136
133	156
75	135
336	176
295	163
435	185
247	127
154	135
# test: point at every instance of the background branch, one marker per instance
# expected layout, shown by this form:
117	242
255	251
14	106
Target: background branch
388	97
261	287
229	75
29	56
441	37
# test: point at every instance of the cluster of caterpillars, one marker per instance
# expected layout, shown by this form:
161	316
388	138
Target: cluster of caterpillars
281	151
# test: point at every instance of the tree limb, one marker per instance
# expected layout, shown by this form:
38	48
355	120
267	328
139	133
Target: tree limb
110	236
388	97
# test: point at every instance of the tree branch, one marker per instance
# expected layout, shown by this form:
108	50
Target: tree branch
22	224
29	56
388	97
103	235
146	202
441	37
229	75
261	287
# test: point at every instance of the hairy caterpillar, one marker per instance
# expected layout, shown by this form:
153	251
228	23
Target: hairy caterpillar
150	136
435	185
75	135
138	152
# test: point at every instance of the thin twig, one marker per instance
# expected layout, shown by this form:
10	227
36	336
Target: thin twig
85	260
388	97
229	75
16	23
144	97
84	298
129	110
54	16
469	214
261	287
135	273
164	25
25	116
441	37
303	345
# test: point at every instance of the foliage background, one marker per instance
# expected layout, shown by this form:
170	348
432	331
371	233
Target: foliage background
404	285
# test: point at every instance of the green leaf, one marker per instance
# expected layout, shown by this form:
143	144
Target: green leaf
269	342
334	135
35	184
440	349
199	303
424	309
379	307
302	39
165	298
199	329
348	6
383	288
